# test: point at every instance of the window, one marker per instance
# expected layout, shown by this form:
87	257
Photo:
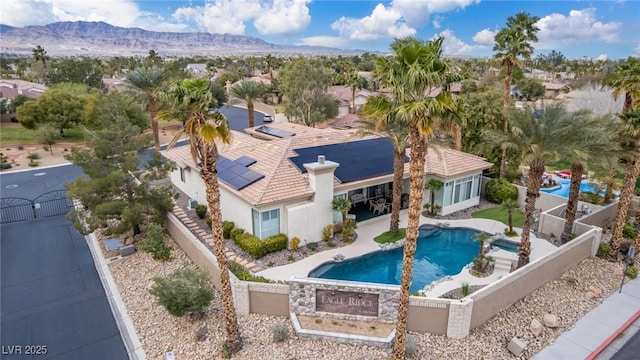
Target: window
448	190
266	223
182	174
461	190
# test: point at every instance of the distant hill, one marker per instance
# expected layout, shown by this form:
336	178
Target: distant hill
100	39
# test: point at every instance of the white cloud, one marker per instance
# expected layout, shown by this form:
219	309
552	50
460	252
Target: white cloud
437	22
602	57
284	17
452	45
221	16
416	12
485	37
27	12
580	26
328	41
383	22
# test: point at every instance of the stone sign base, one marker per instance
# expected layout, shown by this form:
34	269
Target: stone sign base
340	337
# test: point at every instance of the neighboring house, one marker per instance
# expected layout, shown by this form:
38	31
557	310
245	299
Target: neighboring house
552	90
344	96
197	70
115	84
9	89
286	184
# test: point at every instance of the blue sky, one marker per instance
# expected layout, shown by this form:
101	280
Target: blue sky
593	29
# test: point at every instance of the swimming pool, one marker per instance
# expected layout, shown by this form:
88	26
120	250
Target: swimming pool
443	252
563	191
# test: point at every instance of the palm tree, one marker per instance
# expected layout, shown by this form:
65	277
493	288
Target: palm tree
433	185
153	57
538	138
595	143
626	79
413	71
248	91
380	120
453	123
342	205
148	81
189	99
40	54
511	43
355	82
510	205
481	237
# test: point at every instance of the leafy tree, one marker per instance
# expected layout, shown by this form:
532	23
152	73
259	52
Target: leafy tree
155	244
511	43
111	197
184	291
40	54
342	205
304	82
154	58
3	106
18	100
82	71
190	100
101	110
531	89
223	78
48	135
219	95
247	91
147	81
58	106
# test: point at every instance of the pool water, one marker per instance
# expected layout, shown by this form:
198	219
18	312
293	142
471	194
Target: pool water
443	252
563	191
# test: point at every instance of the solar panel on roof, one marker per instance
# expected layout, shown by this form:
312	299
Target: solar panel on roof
358	159
245	160
275	132
235	174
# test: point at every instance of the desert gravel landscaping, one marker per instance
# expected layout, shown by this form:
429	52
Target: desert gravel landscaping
571	296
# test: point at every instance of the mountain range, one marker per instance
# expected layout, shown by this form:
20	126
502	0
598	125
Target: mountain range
99	39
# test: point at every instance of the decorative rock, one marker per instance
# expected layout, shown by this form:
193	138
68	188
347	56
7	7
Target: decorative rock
517	346
536	327
550	320
593	292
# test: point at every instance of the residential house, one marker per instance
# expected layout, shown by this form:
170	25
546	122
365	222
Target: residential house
10	88
197	69
283	179
345	97
552	90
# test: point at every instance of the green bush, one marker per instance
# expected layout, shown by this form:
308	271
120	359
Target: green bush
498	190
227	226
184	291
347	230
632	272
312	246
280	331
201	211
629	231
209	222
327	233
603	251
275	243
155	244
243	274
251	245
4	166
295	243
235	232
33	156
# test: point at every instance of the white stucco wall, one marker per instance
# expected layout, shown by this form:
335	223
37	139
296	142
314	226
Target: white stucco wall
235	209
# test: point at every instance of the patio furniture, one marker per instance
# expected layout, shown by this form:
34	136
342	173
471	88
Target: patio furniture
379	207
358	198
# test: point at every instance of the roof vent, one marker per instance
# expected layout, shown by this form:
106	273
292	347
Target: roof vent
320	159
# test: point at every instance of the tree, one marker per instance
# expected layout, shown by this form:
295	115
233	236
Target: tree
433	186
480	263
184	291
342	205
510	205
189	100
82	71
415	70
60	106
111	197
154	58
511	43
304	82
538	136
155	245
380	119
248	91
101	110
354	82
147	81
48	135
40	54
531	89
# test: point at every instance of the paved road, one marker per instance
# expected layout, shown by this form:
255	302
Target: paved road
51	294
631	349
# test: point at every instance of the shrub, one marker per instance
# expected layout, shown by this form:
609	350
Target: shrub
275	243
243	274
227	226
347	230
209	222
294	243
603	251
465	289
33	163
411	346
251	245
280	331
629	231
45	147
20	147
327	233
201	211
632	272
498	190
33	156
235	232
201	334
4	166
337	228
184	291
312	246
154	243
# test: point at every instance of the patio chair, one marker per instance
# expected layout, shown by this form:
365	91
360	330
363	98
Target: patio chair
379	207
358	198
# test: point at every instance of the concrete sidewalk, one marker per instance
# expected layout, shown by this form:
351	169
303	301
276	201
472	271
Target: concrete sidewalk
598	327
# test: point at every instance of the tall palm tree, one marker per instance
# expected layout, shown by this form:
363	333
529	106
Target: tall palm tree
538	138
594	142
189	99
453	123
513	42
380	119
433	185
153	57
147	81
509	205
40	54
415	70
626	79
354	82
247	91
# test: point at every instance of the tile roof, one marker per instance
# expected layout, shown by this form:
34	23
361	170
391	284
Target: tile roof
284	182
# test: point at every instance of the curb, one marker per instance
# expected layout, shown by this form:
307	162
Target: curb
613	336
123	320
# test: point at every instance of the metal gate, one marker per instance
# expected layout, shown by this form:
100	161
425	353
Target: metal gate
51	203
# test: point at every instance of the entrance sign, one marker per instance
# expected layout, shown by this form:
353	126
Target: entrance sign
347	302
